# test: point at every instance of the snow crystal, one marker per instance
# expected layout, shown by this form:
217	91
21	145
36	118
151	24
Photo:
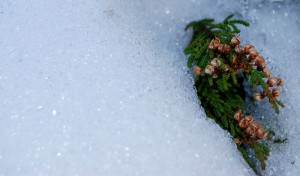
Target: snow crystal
54	112
116	72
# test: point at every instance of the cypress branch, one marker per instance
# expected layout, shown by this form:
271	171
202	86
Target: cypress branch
222	65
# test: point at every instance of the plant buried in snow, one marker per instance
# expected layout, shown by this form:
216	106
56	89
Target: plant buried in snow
221	66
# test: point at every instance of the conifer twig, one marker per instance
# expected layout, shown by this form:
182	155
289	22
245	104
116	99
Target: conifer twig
221	65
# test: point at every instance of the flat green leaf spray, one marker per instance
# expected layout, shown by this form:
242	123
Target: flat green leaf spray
221	65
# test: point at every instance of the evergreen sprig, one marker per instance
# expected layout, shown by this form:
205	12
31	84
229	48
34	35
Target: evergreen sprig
221	66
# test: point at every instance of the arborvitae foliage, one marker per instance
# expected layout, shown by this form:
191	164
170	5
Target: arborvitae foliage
221	66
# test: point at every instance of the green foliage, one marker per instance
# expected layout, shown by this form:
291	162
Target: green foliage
222	83
247	158
233	77
261	152
220	89
256	78
197	54
207	29
232	130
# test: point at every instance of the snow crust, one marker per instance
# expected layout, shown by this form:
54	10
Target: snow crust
101	88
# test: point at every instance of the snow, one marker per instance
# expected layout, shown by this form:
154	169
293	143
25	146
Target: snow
101	88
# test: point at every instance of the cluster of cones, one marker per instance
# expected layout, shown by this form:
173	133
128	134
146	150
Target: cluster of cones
251	128
270	93
243	58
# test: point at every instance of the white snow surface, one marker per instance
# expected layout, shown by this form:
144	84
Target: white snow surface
101	87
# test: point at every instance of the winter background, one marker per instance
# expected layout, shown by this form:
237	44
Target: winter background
101	87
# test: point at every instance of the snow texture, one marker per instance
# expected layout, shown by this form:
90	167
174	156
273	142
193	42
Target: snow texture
101	87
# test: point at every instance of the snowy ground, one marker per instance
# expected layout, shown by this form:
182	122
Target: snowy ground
101	88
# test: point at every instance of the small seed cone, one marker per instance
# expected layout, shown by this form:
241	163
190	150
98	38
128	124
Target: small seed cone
249	118
221	48
234	60
238	115
249	130
260	62
266	72
279	82
197	70
272	82
215	62
248	48
237	141
239	49
258	96
215	75
253	53
227	67
226	48
255	125
235	41
214	44
209	69
275	92
260	133
243	124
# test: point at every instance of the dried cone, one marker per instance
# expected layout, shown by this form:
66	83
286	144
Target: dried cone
209	69
215	62
253	53
255	125
235	41
249	119
197	70
214	44
272	82
243	124
275	92
252	60
266	72
260	59
250	130
211	45
227	67
248	48
221	48
238	115
261	66
215	75
279	82
260	133
239	49
226	48
258	96
237	141
260	62
234	60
